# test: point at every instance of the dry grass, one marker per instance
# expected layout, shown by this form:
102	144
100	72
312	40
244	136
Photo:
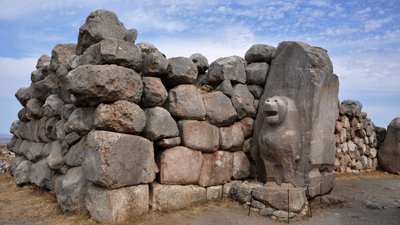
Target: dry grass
371	174
31	205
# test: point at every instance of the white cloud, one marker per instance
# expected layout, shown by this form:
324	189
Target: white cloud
15	73
371	25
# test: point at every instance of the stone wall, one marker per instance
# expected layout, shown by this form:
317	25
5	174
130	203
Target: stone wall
115	128
357	139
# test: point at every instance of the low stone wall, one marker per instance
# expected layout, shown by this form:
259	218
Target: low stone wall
357	139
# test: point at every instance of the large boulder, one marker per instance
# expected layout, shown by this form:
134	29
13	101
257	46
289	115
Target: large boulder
228	68
113	51
81	120
99	25
46	87
154	63
216	169
76	154
185	102
297	116
256	73
175	197
200	61
231	138
159	124
180	165
241	166
259	53
350	108
41	174
121	116
389	152
53	106
199	135
243	101
219	109
93	84
181	71
72	191
113	206
115	160
154	92
60	55
22	172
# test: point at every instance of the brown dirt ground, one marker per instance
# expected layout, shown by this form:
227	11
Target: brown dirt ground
30	205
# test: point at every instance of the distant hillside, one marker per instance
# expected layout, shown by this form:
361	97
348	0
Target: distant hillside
4	139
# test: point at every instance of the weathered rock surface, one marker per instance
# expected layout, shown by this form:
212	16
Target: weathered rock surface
247	126
185	102
259	53
199	135
112	206
227	68
243	100
41	174
81	120
241	166
22	172
200	61
93	84
181	71
99	25
180	165
159	124
216	169
231	138
219	109
72	192
169	142
214	193
350	108
155	63
256	73
389	152
115	160
60	55
175	197
55	160
154	92
226	88
121	116
76	154
53	106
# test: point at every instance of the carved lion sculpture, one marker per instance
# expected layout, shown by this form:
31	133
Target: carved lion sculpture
279	139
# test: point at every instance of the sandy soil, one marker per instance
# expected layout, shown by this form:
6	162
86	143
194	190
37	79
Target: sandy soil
369	199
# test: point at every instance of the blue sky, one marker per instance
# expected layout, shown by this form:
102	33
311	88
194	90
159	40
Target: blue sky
362	38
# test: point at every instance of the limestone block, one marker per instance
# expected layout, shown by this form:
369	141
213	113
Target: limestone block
175	197
185	102
93	84
159	124
199	135
216	168
121	116
219	109
115	160
112	206
180	165
154	92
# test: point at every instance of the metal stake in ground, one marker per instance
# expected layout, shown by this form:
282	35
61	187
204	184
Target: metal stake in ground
308	199
288	206
249	202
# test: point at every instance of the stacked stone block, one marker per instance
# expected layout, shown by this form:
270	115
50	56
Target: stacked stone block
357	139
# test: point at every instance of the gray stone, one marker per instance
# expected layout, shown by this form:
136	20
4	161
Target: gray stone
256	73
35	151
200	61
60	55
216	168
214	193
231	138
72	138
121	116
16	162
199	135
41	174
242	100
23	115
113	206
38	75
159	124
180	165
46	87
93	84
241	191
258	205
76	154
227	68
267	211
260	53
59	131
155	64
241	166
219	109
55	159
247	126
350	108
283	215
22	172
115	160
42	61
113	51
297	115
154	92
34	108
185	102
175	197
23	95
169	142
80	121
389	151
256	90
226	88
380	133
53	106
72	192
99	25
147	48
181	71
67	110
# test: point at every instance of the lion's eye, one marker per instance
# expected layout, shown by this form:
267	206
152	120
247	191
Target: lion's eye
276	100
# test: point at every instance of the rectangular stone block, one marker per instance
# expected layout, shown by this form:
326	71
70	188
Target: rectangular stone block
199	135
216	169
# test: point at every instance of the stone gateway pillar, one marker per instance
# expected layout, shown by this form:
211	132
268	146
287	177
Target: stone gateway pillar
294	128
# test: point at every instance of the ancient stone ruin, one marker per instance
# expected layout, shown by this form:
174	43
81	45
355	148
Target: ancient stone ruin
115	128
